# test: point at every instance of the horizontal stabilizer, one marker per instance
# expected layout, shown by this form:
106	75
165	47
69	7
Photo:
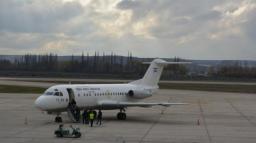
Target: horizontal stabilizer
168	63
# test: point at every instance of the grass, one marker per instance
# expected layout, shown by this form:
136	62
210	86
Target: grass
210	87
181	86
20	89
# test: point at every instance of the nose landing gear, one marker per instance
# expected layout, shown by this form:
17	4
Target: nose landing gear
58	119
121	115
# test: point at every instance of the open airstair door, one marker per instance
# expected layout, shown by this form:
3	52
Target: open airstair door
72	109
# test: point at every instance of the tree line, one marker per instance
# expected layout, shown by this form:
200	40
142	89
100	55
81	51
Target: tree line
110	64
100	64
235	70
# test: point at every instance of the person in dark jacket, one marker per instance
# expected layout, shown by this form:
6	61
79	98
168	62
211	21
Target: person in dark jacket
99	117
95	114
85	116
77	114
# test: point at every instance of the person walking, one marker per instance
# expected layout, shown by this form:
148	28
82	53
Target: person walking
77	114
85	116
91	117
99	117
95	114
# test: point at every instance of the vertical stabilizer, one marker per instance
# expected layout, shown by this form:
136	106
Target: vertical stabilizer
153	74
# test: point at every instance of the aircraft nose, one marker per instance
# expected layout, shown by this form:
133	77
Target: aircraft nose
39	103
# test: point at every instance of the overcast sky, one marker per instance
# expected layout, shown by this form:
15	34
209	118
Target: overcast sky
196	29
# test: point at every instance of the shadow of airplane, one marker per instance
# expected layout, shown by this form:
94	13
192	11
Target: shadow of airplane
148	120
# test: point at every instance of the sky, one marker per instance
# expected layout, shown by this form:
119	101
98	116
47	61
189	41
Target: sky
192	29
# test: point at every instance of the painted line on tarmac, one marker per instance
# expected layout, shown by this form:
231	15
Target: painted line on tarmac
204	121
154	123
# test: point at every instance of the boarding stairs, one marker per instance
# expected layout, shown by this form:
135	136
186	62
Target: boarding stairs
73	113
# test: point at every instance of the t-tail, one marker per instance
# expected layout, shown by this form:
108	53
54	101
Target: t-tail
153	74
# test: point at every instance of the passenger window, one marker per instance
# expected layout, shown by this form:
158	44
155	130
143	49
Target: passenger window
61	94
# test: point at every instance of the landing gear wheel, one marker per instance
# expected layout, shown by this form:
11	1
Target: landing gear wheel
118	116
58	119
121	116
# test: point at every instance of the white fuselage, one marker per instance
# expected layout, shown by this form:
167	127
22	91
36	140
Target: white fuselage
88	96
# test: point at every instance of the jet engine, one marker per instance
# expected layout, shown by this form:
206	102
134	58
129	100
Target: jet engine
139	94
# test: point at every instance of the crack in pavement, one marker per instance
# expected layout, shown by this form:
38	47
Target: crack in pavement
240	112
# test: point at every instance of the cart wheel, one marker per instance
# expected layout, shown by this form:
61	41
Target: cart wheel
78	135
59	135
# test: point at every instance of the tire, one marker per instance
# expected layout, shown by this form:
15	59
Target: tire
78	135
58	119
119	116
58	134
123	116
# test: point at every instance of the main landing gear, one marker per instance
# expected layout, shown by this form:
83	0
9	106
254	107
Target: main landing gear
58	119
121	115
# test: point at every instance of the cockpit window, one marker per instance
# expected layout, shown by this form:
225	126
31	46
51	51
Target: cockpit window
58	94
49	93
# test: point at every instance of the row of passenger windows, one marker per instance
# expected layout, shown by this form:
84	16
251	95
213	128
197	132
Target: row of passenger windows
86	94
103	94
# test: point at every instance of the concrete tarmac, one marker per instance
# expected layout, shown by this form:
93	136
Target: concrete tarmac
211	117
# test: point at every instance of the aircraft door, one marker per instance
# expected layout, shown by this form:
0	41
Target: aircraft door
71	96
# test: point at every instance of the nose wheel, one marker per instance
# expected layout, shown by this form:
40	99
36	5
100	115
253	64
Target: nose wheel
58	119
121	115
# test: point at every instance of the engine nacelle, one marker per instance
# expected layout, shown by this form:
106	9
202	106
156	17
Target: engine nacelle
138	94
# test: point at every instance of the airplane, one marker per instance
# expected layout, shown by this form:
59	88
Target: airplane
72	97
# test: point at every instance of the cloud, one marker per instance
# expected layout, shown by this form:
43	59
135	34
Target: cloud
198	29
36	16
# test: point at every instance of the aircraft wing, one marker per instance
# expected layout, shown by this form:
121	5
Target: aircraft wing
117	104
